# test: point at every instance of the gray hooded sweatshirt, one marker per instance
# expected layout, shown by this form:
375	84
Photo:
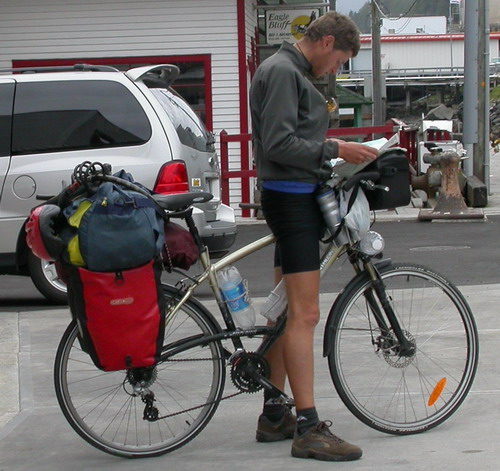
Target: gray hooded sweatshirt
289	120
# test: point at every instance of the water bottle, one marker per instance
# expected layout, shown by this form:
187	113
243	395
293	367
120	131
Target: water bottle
235	293
275	303
372	243
327	200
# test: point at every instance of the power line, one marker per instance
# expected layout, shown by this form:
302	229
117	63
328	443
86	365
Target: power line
409	9
402	15
379	9
382	13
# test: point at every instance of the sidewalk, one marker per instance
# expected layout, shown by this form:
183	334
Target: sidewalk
38	437
35	436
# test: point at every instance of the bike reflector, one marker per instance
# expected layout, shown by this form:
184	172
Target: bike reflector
436	393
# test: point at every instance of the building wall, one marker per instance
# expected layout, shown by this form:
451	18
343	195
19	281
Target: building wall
494	11
412	53
65	29
414	25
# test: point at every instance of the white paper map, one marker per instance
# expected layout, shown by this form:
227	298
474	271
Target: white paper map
346	169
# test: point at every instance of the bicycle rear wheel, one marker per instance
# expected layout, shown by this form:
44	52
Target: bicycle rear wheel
106	408
389	392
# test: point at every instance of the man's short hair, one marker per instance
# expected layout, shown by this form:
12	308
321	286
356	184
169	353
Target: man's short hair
340	26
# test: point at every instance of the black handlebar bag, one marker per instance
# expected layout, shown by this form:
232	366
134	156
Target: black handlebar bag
120	314
394	171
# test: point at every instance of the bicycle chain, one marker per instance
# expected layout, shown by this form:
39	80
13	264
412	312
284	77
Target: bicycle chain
202	405
199	407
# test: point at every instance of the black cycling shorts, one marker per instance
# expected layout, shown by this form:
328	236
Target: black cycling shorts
296	221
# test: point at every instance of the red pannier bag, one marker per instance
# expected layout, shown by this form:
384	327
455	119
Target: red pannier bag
120	315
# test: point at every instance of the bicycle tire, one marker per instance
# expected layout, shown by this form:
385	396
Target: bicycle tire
391	393
102	408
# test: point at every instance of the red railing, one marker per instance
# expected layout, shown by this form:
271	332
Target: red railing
243	174
369	132
407	140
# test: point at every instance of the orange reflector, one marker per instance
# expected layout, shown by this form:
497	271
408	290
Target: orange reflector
436	394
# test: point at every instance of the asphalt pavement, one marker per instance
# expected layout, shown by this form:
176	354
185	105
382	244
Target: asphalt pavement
35	436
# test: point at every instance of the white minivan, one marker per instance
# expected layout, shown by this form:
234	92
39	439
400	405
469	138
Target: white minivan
52	119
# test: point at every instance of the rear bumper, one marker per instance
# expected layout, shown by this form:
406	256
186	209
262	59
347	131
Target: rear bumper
218	234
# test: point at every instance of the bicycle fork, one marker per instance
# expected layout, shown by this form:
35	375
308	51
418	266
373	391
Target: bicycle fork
392	337
406	348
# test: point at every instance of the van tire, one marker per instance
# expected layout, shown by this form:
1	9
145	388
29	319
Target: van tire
44	277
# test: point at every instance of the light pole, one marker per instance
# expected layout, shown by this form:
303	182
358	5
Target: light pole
378	118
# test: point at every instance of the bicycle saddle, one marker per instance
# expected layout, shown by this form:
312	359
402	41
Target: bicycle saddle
182	200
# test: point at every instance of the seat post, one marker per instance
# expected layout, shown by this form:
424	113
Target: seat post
194	230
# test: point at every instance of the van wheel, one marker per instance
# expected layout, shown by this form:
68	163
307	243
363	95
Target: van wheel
45	278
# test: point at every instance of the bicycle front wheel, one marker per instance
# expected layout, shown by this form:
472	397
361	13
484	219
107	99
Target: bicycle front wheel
394	393
107	409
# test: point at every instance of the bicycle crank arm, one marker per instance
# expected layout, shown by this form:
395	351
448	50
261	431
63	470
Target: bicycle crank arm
281	397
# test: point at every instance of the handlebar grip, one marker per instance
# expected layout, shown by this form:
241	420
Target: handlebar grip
373	175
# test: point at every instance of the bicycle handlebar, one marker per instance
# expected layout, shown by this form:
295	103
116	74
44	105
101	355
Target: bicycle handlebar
373	175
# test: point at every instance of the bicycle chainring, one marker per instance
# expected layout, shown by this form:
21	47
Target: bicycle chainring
244	362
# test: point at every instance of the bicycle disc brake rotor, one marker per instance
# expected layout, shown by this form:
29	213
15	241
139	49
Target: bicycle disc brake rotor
389	346
242	364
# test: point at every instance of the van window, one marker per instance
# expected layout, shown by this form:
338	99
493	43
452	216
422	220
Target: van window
75	115
6	97
190	129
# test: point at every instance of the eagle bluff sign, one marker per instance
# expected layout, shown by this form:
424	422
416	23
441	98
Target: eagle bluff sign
287	25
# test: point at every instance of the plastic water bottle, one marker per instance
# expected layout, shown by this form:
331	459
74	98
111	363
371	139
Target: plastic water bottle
275	303
235	292
372	243
327	200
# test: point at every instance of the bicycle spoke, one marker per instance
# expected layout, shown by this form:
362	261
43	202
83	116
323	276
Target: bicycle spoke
180	394
391	392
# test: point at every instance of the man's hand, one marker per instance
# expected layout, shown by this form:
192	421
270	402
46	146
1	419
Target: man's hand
355	153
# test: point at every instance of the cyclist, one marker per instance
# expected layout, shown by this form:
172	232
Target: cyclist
290	120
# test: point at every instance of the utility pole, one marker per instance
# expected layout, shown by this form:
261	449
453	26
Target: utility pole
378	118
482	162
476	90
471	116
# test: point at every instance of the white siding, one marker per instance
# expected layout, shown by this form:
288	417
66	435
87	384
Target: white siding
251	24
429	54
418	54
66	29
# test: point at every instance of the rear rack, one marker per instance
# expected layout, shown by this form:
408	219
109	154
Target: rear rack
61	68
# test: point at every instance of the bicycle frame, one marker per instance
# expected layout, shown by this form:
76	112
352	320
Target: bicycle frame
329	257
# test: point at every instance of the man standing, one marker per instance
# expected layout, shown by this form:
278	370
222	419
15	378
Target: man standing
290	120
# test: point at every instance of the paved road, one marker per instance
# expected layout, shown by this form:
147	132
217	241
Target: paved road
39	439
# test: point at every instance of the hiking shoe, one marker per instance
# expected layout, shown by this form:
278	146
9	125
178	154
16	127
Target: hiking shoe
284	428
321	444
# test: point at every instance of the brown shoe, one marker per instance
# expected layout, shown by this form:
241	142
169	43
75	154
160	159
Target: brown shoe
284	428
321	444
